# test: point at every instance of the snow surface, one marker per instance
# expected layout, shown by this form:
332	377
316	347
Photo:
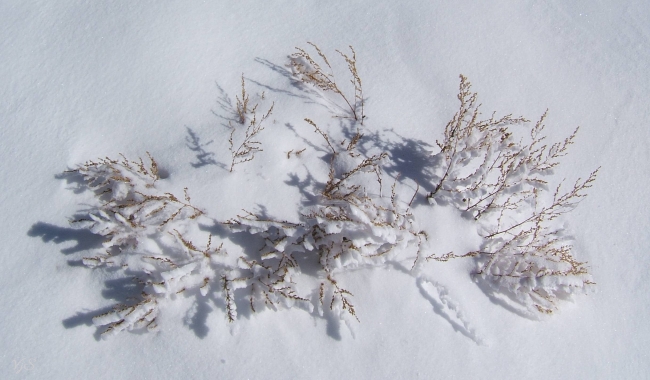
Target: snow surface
82	80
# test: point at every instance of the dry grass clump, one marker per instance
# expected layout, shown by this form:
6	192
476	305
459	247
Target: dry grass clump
243	147
494	178
500	182
242	103
307	70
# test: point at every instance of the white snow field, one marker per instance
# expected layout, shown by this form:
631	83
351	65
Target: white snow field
84	80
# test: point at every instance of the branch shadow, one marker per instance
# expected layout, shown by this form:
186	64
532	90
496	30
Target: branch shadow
409	159
225	104
73	178
440	303
86	318
442	308
84	239
307	188
122	291
303	91
196	318
503	299
333	325
203	157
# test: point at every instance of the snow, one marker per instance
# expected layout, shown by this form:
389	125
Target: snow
82	81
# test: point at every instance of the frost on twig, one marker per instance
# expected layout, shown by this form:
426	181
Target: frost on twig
499	181
141	226
130	208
